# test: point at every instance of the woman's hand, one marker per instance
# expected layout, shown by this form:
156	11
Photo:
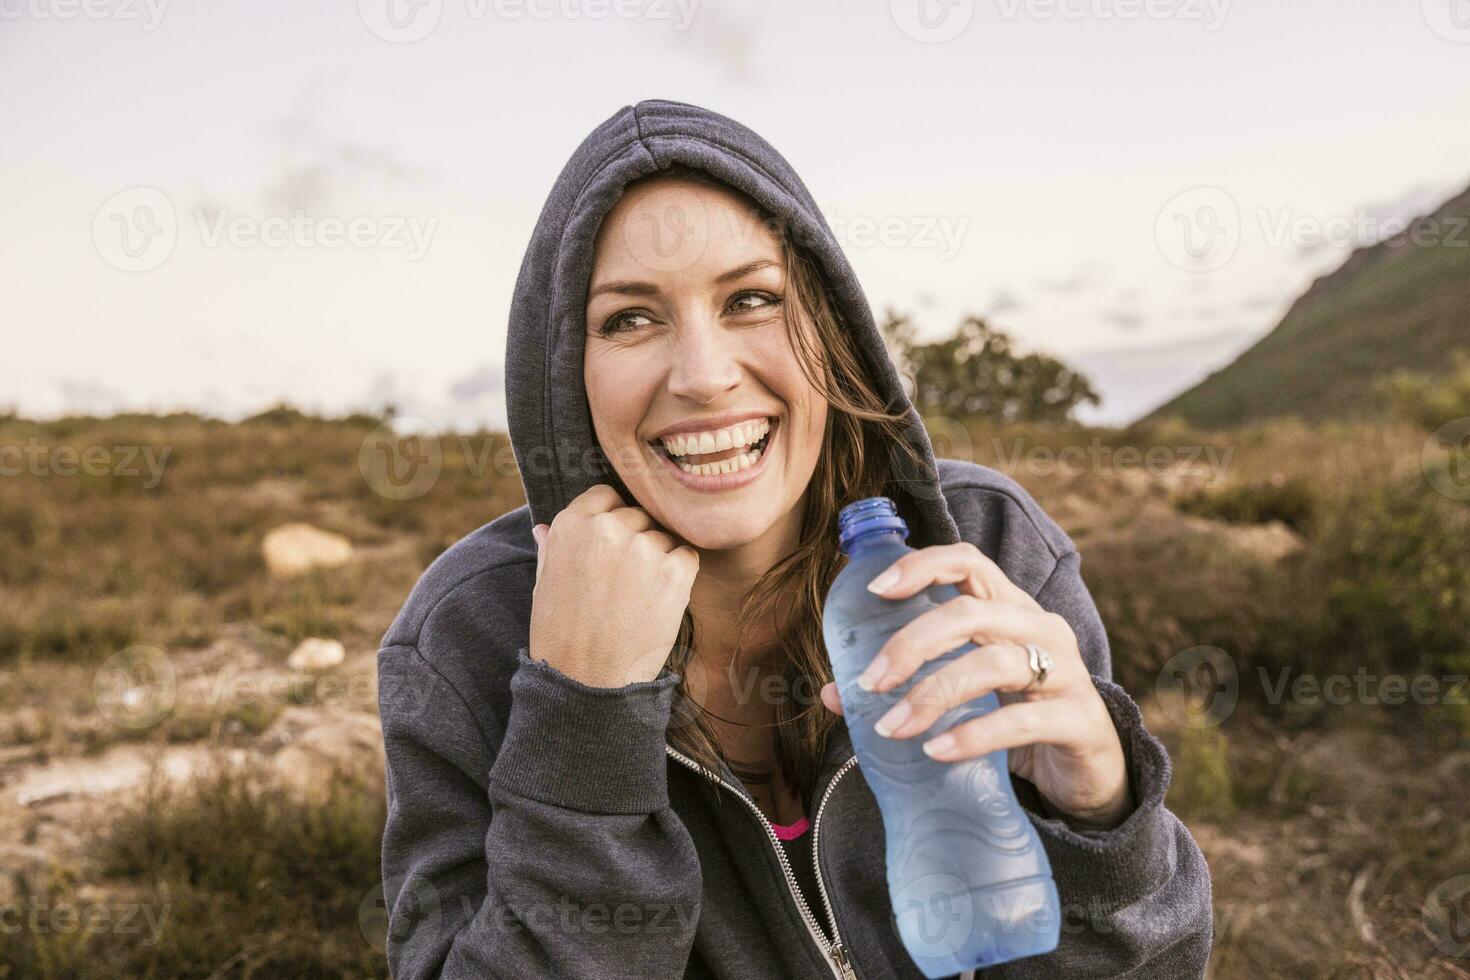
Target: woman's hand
1059	733
611	589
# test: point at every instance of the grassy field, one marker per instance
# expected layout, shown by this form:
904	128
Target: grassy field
1291	606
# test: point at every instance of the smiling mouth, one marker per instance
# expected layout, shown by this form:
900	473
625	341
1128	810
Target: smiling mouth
733	460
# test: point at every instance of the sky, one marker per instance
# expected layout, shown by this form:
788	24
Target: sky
220	206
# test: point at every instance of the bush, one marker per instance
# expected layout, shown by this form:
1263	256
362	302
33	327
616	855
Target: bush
1390	574
1426	400
1289	501
241	878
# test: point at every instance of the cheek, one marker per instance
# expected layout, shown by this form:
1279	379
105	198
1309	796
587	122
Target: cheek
620	390
805	400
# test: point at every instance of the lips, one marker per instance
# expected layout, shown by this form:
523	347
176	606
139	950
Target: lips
713	482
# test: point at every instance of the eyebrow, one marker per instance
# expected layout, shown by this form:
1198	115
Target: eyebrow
627	287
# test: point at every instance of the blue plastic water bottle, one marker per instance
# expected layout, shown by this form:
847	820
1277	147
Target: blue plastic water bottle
970	882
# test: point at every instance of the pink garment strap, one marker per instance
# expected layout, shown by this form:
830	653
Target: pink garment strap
791	831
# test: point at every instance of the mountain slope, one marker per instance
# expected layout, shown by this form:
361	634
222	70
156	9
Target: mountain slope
1396	304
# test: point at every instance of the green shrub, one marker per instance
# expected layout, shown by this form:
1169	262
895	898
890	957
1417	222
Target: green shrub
1429	401
1289	501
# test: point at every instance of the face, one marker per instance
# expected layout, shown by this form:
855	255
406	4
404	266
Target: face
695	390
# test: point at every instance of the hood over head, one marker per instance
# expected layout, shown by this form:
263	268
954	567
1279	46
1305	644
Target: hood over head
550	422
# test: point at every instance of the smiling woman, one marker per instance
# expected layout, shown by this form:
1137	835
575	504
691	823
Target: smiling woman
710	330
615	703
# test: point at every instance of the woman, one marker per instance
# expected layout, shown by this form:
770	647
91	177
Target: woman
613	748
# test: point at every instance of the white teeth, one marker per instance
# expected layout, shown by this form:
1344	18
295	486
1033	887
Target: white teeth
731	437
732	465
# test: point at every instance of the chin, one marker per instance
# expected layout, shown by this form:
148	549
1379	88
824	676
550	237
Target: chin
727	531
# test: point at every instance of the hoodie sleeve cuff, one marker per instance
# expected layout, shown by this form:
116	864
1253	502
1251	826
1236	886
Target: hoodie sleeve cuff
1114	867
597	750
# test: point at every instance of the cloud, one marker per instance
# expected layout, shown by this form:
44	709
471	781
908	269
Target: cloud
1004	301
315	165
1084	277
488	380
88	396
713	35
1123	319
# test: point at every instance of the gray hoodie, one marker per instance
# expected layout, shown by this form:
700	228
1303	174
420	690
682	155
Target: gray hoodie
538	827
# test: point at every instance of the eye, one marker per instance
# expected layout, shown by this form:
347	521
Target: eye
624	320
752	299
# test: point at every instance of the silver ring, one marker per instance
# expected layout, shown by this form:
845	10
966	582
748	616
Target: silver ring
1040	663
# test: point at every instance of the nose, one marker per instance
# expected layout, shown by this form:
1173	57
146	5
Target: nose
706	361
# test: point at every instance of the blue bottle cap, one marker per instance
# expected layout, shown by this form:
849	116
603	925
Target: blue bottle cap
867	516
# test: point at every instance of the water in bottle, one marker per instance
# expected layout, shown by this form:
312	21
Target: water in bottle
969	880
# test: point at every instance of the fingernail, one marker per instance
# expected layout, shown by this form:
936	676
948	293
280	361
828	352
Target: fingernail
539	533
875	670
885	581
938	746
893	721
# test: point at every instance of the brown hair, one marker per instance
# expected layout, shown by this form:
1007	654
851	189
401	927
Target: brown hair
859	451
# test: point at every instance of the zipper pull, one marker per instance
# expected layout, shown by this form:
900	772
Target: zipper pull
839	956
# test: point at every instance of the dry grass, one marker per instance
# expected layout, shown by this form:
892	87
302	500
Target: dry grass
1327	826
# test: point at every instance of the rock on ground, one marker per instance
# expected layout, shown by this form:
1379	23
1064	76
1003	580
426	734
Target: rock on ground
295	548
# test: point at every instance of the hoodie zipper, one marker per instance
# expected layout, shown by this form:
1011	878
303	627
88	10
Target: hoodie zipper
833	951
